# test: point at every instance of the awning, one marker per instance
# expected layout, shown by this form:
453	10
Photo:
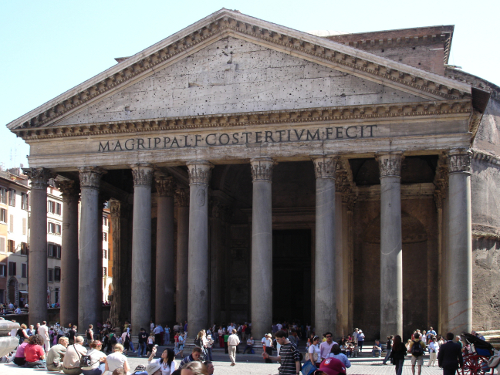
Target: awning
23	291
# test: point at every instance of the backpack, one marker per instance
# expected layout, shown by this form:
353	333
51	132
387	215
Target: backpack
197	342
85	361
417	349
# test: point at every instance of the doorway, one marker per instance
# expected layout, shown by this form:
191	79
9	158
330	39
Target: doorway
292	276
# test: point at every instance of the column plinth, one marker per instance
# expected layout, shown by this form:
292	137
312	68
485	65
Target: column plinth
325	311
37	270
459	259
198	254
391	246
89	303
69	255
262	246
182	200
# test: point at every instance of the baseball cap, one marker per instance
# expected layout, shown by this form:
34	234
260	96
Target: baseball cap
332	366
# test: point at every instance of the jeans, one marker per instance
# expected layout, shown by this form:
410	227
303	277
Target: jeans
142	348
95	371
398	363
209	354
131	345
249	348
376	353
387	356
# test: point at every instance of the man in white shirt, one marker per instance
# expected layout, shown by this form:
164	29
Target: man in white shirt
326	347
43	331
232	342
71	362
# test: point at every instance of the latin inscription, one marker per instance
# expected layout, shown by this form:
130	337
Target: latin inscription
239	138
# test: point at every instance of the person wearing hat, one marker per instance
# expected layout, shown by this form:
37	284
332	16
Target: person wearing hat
267	342
331	366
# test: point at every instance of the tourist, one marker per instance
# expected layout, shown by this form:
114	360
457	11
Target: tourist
97	359
117	360
56	354
331	366
194	368
388	349
326	346
166	361
143	337
22	334
158	332
232	342
181	345
268	346
335	353
208	342
210	367
166	340
417	349
71	362
151	343
194	356
433	350
377	349
220	332
34	353
249	347
314	351
450	356
289	356
361	340
90	334
43	331
398	354
19	356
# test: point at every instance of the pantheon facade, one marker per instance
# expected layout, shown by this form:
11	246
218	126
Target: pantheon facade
259	173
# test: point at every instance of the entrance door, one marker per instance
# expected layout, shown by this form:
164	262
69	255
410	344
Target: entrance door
292	276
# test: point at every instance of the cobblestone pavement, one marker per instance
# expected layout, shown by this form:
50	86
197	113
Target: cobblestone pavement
249	364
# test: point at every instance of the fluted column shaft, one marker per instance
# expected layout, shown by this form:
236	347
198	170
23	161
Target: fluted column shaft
459	261
38	245
325	313
89	303
165	252
262	246
182	198
198	254
141	247
391	246
69	254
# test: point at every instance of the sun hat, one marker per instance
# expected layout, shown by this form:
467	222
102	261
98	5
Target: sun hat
332	366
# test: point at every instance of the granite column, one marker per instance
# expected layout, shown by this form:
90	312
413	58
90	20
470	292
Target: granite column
89	303
325	312
262	246
69	255
459	270
165	252
198	254
141	247
37	270
391	247
182	199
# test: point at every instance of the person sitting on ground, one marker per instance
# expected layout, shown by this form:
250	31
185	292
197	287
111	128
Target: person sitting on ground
194	368
19	356
71	362
194	356
249	347
97	359
165	362
55	356
377	349
210	367
117	360
335	353
34	353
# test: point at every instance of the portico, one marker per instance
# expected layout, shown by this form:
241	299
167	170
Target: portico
300	133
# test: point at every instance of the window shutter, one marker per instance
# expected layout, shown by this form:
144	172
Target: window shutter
2	244
24	226
11	223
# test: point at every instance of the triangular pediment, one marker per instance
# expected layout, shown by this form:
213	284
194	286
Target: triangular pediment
340	67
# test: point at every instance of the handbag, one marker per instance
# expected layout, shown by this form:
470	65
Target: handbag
308	368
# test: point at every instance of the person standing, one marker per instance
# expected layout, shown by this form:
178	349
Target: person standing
143	337
326	347
43	331
289	356
232	342
388	349
314	351
417	348
433	350
398	354
450	356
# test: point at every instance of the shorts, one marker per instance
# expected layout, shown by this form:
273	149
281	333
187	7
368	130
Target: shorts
418	360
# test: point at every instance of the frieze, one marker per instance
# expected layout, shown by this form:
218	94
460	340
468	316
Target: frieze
225	24
39	177
459	160
390	163
90	177
244	119
142	174
262	169
199	172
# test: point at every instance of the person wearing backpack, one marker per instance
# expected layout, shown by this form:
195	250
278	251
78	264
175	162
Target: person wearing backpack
417	349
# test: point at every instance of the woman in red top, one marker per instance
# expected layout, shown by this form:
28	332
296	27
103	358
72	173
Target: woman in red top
34	353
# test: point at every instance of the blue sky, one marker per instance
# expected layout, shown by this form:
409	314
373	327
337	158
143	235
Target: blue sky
48	47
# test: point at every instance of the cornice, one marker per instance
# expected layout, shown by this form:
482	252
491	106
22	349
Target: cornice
341	113
486	157
224	23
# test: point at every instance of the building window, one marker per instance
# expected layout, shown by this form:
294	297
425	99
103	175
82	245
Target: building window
53	250
56	295
12	246
3	269
104	271
54	207
11	224
12	268
24	270
105	221
24	201
3	195
58	251
12	198
54	228
2	296
105	237
57	274
104	253
51	275
3	215
2	244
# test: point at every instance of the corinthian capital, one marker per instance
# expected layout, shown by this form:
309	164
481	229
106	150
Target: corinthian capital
262	169
142	174
199	172
325	166
90	177
459	160
165	186
68	188
38	177
390	163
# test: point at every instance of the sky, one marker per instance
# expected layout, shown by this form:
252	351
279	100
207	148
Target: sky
48	47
